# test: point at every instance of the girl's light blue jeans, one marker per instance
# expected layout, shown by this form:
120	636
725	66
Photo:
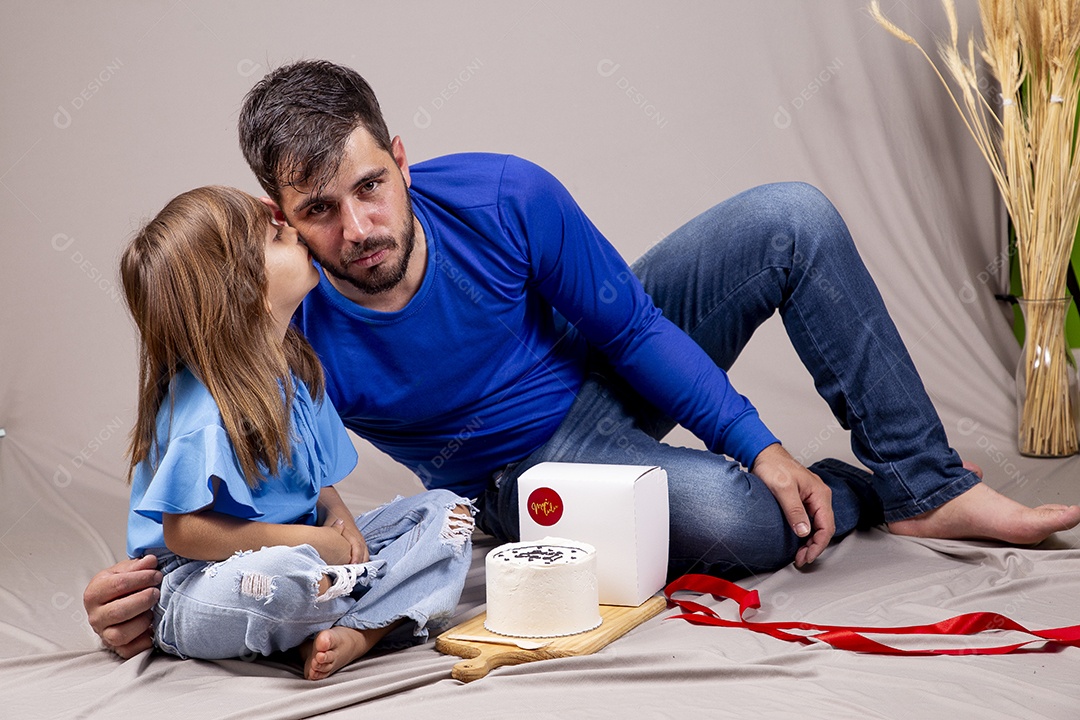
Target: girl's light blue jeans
268	600
775	247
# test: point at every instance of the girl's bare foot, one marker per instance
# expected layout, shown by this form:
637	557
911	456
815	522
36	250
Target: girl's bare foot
334	648
984	513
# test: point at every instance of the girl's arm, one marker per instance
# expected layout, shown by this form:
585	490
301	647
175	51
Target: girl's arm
337	515
209	535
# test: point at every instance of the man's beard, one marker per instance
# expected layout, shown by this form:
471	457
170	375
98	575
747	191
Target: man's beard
380	278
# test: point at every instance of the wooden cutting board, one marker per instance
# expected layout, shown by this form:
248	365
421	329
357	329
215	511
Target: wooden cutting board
481	657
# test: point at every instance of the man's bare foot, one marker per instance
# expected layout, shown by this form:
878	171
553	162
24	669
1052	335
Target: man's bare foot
333	649
985	514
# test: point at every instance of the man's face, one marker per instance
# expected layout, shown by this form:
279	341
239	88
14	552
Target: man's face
360	225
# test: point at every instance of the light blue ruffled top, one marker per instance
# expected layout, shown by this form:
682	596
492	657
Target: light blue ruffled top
196	454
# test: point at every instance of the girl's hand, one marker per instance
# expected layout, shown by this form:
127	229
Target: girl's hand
331	545
336	515
358	551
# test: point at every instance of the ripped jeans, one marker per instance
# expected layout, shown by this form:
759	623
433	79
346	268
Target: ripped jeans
268	600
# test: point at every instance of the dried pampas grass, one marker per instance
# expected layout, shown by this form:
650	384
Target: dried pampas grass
1030	144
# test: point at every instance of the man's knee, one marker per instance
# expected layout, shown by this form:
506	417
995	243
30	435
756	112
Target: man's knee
797	201
803	225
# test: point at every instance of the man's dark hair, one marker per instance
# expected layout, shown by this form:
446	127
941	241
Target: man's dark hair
295	122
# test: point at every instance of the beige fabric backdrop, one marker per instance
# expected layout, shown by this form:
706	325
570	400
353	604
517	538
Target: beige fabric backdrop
649	112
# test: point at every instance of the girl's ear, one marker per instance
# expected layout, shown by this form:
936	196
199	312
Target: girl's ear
279	217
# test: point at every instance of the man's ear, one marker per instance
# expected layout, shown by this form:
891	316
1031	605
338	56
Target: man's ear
397	149
275	210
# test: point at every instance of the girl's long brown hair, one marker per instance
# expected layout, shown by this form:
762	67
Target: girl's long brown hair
195	282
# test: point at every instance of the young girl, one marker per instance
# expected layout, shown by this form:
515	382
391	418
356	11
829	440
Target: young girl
236	450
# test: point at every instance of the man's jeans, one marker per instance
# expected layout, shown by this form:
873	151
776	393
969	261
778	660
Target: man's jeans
776	247
268	600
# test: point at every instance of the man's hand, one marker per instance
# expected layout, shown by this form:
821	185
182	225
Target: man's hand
118	604
804	498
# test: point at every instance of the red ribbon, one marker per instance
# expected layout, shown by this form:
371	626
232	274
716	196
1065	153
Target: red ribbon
850	637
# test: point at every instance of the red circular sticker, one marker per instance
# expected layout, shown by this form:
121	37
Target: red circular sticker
545	506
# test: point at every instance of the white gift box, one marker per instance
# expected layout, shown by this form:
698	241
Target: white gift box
621	510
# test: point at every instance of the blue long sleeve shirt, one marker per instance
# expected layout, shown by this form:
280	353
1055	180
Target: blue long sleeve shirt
482	365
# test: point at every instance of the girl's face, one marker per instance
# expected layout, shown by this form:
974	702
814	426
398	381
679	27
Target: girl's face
290	274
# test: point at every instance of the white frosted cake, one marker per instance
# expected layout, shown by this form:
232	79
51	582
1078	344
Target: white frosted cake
543	588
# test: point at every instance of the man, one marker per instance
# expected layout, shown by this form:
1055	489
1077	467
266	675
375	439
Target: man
473	322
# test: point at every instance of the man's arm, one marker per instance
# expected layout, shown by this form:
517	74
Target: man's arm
118	603
583	277
575	269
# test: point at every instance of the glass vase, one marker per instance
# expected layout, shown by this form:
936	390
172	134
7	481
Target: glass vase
1047	395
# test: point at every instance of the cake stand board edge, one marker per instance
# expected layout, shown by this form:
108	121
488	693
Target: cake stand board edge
481	658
